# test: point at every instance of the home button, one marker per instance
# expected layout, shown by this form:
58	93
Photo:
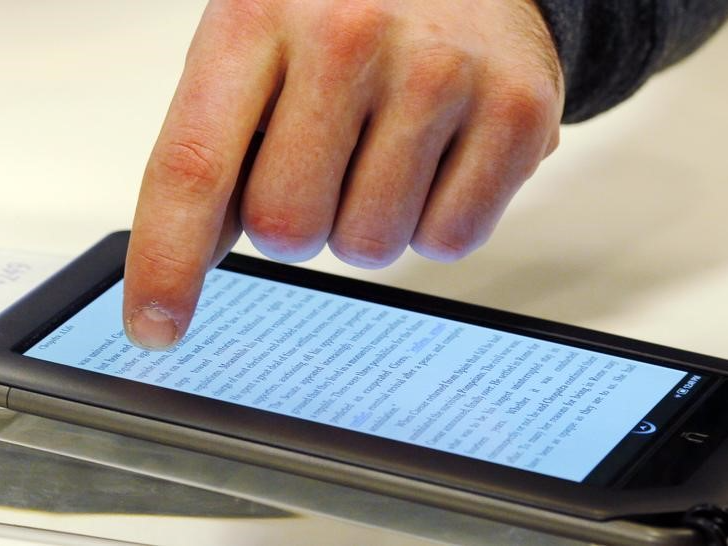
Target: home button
695	437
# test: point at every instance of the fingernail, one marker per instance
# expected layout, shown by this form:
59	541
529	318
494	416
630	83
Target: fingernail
152	328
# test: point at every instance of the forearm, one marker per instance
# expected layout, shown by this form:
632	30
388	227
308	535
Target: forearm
609	48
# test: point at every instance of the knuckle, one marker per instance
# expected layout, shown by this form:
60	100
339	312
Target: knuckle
235	26
236	19
525	118
437	74
190	166
553	142
158	259
525	107
364	250
352	32
257	11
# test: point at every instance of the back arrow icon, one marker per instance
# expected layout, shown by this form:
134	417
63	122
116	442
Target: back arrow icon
645	427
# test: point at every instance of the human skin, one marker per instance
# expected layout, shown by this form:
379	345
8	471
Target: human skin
387	123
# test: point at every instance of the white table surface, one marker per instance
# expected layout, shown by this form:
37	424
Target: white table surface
622	230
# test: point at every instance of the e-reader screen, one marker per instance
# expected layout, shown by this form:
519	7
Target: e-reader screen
470	390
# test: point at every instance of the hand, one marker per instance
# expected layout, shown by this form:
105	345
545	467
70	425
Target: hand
387	123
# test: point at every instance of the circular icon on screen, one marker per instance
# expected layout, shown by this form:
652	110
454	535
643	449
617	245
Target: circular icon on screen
644	427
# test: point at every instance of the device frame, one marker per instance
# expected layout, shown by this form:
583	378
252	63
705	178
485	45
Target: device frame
115	404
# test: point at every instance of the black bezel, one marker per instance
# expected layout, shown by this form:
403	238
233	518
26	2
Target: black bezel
23	324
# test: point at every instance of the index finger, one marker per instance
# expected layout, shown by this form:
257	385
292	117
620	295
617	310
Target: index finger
230	72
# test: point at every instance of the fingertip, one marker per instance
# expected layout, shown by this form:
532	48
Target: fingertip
153	328
161	290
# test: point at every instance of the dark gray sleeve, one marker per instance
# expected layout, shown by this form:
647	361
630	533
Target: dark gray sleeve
609	48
